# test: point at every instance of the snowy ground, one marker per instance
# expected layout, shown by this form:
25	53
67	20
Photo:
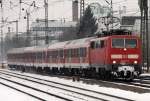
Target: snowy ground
7	94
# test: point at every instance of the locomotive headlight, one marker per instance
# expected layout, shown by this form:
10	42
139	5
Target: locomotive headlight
114	62
135	62
133	56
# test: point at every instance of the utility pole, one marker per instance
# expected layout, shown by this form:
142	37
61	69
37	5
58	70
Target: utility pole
28	14
144	33
36	35
17	29
27	17
28	32
46	22
112	13
81	9
147	34
20	1
16	32
2	20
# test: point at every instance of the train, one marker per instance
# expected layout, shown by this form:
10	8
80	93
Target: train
108	56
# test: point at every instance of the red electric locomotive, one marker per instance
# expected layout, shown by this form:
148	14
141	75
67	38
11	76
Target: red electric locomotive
116	56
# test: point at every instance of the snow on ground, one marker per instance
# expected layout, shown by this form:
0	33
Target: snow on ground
8	94
113	91
108	90
145	74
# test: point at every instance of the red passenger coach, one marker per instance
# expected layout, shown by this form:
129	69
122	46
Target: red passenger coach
77	53
116	56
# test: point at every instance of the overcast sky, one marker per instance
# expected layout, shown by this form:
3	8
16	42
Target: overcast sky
58	9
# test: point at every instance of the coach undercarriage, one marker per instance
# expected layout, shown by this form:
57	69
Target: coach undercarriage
82	72
124	72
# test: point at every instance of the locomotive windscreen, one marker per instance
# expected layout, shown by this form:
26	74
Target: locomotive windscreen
124	43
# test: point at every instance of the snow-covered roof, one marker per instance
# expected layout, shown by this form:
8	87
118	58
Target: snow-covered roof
99	38
79	43
29	49
40	48
59	45
71	44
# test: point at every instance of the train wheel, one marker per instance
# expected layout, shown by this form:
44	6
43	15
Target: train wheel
46	70
102	73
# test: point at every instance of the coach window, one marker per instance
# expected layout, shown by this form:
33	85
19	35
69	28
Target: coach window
68	52
40	55
76	52
81	52
53	54
73	52
56	54
97	44
84	52
61	53
92	44
102	44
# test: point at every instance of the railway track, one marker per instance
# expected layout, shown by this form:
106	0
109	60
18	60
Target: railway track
140	83
145	85
71	90
31	91
32	95
135	85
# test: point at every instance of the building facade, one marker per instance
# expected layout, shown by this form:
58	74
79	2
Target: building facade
57	31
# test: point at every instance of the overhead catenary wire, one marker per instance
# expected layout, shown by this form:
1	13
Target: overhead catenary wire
52	3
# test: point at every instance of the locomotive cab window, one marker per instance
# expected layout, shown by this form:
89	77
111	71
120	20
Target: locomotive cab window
117	43
124	43
130	43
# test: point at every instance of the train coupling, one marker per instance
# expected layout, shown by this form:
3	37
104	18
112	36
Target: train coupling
127	72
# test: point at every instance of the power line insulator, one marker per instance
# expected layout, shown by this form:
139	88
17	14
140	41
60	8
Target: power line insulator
22	9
